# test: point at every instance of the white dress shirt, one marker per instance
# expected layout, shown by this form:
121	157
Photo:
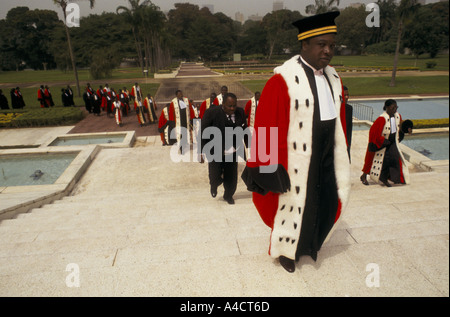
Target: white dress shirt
326	103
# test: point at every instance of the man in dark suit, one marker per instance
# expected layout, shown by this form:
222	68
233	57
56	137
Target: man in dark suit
348	119
228	119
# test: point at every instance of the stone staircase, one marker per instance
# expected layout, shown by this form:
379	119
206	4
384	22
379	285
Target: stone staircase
138	224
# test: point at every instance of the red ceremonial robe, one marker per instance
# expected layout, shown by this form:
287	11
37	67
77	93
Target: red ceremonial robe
250	112
117	108
41	97
151	107
378	134
170	117
218	101
287	104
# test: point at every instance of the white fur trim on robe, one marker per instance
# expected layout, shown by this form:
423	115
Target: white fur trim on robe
288	220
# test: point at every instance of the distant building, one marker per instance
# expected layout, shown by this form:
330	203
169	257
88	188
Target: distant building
239	17
356	5
278	5
210	7
255	17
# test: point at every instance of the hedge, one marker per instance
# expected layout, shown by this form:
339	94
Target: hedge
430	123
40	117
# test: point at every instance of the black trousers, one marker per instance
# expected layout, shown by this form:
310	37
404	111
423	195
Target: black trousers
391	166
226	173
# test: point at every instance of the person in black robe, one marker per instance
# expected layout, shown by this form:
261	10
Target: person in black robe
70	100
64	98
88	98
3	101
17	98
96	102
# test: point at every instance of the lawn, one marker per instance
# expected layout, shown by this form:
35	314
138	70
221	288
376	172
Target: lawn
442	61
367	86
49	76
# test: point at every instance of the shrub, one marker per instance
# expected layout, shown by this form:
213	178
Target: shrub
430	123
40	117
431	65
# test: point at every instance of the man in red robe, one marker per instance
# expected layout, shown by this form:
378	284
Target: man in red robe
206	104
384	161
250	109
219	99
178	115
301	187
41	97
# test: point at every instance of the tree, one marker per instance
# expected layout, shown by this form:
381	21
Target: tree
387	22
322	6
429	32
153	24
180	20
405	10
424	36
25	38
251	40
279	30
352	29
63	5
133	16
199	33
148	28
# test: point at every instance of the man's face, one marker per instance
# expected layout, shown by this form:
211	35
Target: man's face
392	109
346	96
318	51
180	95
229	105
224	91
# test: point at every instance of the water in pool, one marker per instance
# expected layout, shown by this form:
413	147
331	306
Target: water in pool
88	140
432	146
33	169
413	108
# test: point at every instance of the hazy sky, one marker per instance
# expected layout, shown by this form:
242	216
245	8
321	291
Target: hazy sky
229	7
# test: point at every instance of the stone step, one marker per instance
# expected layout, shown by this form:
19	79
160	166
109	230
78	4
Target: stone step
130	232
128	207
73	214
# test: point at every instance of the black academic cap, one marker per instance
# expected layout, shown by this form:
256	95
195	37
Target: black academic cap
316	25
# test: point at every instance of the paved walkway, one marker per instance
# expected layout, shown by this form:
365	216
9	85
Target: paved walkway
139	224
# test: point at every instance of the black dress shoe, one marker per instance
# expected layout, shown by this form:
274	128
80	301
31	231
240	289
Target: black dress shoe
229	200
287	264
386	183
213	191
364	180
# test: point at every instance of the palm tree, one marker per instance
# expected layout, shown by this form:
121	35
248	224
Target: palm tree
134	17
322	6
147	25
405	10
63	5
